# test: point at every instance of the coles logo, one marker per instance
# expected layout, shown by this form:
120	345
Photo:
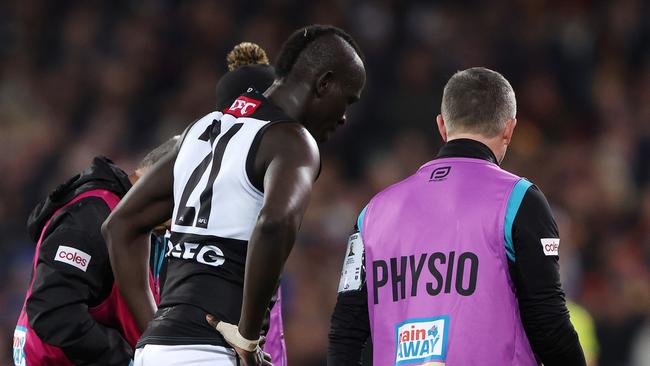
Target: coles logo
421	340
243	107
73	257
551	246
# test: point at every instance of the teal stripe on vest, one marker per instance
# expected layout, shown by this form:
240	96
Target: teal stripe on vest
516	196
360	219
161	258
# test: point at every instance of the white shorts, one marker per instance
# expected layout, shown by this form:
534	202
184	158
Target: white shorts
194	354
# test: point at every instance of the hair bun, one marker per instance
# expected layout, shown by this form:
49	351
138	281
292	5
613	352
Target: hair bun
246	53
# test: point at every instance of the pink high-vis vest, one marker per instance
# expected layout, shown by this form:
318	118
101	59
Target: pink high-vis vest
275	345
439	290
29	349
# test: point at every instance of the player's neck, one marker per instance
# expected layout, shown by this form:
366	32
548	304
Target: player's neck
290	98
495	144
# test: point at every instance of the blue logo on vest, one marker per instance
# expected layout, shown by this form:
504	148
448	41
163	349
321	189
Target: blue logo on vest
421	340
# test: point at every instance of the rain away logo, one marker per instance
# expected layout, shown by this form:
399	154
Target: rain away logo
421	340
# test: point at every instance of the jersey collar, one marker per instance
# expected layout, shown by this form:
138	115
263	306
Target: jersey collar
265	110
466	148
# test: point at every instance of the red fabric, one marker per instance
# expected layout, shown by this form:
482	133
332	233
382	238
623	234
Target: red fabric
243	107
112	312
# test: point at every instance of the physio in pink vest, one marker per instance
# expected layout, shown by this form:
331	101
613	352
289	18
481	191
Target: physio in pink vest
458	263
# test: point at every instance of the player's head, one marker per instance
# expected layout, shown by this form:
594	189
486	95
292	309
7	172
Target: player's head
248	67
479	103
323	67
154	156
150	160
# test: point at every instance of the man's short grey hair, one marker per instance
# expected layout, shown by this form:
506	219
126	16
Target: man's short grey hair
478	100
159	152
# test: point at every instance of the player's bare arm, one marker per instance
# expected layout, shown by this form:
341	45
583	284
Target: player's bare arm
126	232
290	159
292	169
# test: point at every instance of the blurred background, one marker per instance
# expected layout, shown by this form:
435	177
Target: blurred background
80	78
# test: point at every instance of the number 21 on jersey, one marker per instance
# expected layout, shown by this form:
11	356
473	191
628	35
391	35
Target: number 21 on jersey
187	215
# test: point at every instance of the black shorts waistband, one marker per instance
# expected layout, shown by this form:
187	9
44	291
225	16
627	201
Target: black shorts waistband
181	324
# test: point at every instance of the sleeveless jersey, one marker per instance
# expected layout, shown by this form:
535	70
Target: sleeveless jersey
215	210
439	290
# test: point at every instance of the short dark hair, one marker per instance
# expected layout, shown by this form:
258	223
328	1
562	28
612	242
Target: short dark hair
478	100
303	37
159	152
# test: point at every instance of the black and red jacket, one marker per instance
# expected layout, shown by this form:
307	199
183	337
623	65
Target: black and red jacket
73	311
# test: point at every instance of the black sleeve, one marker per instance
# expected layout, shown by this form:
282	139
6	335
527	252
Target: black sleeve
72	274
349	327
536	277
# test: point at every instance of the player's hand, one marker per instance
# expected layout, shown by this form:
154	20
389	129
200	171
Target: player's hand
256	357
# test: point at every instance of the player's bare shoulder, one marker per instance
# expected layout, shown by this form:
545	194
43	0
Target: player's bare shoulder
288	140
292	137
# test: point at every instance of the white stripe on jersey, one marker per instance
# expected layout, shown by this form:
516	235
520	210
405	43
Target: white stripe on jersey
235	202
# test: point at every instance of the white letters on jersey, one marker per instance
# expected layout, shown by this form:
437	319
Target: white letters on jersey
206	254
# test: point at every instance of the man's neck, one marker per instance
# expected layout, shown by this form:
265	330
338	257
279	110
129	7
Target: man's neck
492	143
289	99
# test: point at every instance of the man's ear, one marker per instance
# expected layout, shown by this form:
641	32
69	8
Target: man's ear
509	130
441	127
324	83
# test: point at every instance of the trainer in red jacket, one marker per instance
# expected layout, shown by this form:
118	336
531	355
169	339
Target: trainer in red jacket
73	311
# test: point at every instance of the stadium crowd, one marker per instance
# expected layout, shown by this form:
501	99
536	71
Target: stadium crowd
81	78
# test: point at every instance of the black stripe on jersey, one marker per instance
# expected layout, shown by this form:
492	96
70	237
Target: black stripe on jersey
185	215
207	272
217	157
236	245
205	275
178	147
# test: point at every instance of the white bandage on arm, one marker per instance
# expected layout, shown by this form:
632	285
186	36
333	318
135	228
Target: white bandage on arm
231	333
